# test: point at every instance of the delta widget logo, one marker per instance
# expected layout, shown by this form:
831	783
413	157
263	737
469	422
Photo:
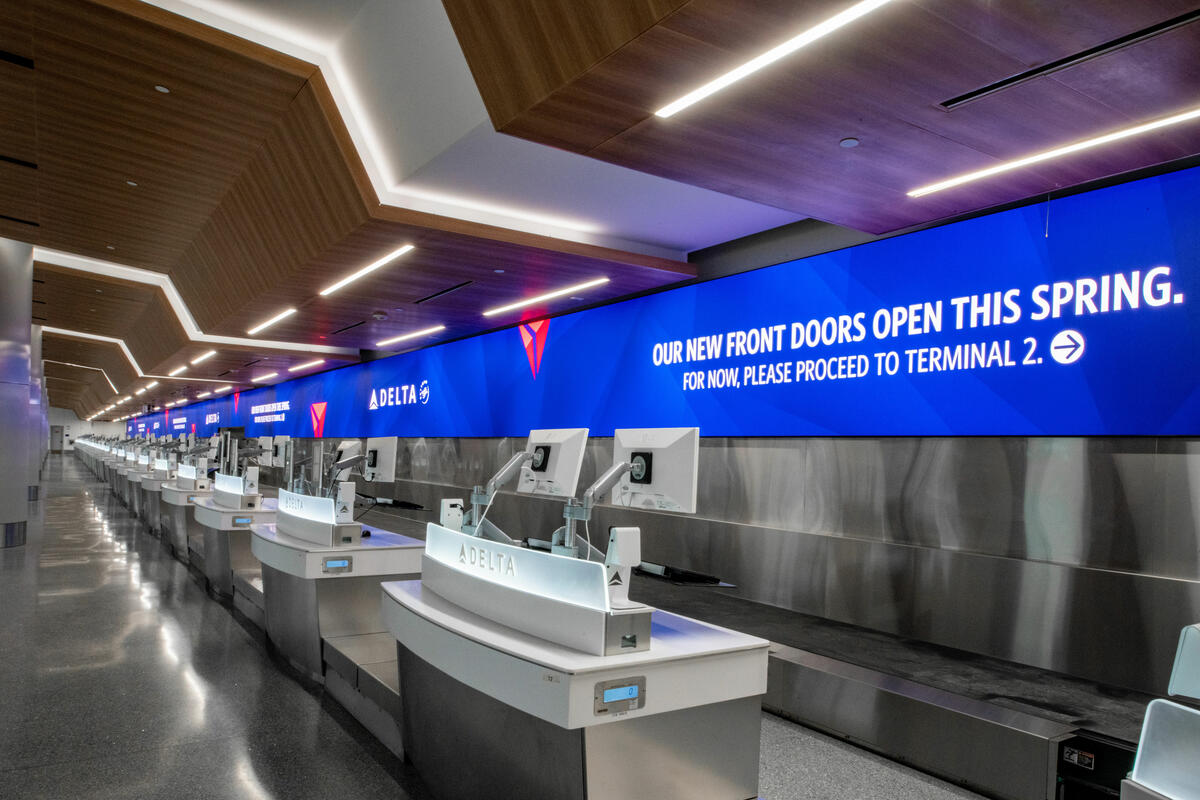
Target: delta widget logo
317	411
533	336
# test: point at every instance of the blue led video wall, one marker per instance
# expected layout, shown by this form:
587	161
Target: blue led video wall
984	327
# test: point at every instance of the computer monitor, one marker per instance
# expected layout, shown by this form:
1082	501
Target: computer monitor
557	460
666	462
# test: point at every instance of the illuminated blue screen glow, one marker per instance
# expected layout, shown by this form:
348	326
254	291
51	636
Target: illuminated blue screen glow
999	325
241	520
337	564
620	693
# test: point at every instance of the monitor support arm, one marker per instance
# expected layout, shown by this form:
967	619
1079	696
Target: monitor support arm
575	511
482	496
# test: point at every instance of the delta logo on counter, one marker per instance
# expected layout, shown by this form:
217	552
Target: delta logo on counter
406	394
533	336
317	411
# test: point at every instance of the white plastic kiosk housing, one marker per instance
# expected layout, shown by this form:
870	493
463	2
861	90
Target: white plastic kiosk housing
225	519
1166	767
502	644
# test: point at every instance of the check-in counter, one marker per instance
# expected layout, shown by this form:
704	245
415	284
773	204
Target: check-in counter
499	644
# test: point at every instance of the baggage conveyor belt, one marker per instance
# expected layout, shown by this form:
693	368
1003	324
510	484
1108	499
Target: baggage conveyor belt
990	724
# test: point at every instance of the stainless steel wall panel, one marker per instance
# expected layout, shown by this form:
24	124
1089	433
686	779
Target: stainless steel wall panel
17	435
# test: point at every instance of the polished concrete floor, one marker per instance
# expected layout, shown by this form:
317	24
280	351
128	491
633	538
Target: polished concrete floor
119	678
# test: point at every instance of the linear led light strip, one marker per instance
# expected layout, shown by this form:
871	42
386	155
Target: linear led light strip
175	300
84	366
1057	152
413	335
374	265
771	56
318	362
579	287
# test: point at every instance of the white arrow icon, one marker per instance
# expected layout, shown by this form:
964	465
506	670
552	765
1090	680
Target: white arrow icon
1067	347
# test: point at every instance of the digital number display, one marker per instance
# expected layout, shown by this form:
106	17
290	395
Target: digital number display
241	520
620	693
337	564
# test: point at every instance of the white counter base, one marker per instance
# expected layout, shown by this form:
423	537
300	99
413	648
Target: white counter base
486	706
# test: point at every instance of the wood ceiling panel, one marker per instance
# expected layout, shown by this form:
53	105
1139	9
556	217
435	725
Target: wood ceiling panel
18	98
19	192
73	300
773	138
101	123
522	52
294	200
16	29
298	220
439	262
251	196
104	355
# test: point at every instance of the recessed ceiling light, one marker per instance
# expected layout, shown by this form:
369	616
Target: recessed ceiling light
771	56
158	87
405	336
158	408
140	391
299	367
848	142
110	247
151	384
176	371
1057	152
374	265
220	389
266	377
498	271
204	357
202	395
131	183
547	296
271	321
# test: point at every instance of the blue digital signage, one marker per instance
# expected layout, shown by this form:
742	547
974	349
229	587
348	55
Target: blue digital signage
999	325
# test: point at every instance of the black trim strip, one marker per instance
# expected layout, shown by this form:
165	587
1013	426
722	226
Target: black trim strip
20	162
348	327
1072	60
22	221
13	58
436	295
252	363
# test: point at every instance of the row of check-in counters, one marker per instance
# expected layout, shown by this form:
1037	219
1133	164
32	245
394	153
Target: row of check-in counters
331	632
452	691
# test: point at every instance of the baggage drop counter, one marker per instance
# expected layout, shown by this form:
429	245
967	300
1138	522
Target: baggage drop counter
679	718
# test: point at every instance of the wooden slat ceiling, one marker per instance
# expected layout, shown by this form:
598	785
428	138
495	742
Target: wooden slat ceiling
140	316
249	195
773	138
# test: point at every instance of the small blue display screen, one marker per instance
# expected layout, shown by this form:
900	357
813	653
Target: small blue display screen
620	693
241	520
337	564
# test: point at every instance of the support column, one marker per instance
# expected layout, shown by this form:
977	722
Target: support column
16	302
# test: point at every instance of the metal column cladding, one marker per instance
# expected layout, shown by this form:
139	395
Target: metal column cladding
16	300
999	325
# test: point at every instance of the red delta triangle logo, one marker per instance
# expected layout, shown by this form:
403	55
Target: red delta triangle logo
533	336
236	397
317	410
